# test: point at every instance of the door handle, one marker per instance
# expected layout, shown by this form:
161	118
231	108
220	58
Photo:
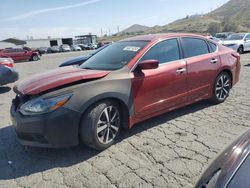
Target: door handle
214	61
180	70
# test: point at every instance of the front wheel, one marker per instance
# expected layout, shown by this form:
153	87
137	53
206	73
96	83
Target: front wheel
221	88
240	50
35	58
101	125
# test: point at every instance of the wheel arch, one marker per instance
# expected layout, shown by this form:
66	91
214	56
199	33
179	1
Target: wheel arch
32	55
119	99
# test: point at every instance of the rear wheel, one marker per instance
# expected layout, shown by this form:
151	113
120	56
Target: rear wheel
221	88
101	125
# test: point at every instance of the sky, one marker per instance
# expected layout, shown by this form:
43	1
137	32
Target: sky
68	18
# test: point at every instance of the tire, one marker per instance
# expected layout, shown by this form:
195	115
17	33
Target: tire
240	50
221	89
97	130
35	58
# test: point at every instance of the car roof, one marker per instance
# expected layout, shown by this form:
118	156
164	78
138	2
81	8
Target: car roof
154	37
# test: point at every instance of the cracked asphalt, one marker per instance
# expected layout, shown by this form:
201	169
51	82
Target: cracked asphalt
171	150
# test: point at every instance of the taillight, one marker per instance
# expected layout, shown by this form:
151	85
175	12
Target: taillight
237	56
7	63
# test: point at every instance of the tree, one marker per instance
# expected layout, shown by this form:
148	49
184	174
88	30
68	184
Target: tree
214	28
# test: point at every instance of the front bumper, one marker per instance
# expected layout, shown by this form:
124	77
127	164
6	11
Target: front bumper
57	129
235	47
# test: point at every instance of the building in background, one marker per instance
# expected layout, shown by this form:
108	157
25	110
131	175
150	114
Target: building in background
37	43
86	39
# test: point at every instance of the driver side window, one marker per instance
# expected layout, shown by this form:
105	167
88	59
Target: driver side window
165	51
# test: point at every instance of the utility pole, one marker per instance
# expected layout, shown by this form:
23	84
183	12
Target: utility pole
118	29
101	32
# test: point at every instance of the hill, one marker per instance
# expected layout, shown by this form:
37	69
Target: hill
136	28
232	16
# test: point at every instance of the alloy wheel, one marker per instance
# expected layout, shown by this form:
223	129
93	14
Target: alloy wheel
222	87
108	125
35	58
240	50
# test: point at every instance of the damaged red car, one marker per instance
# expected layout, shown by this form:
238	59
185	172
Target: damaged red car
128	82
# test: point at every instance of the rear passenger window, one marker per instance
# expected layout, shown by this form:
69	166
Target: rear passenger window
164	51
194	47
213	47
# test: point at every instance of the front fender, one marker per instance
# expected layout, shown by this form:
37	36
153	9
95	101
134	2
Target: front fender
126	100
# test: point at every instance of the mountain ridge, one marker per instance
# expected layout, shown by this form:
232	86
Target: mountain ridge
235	13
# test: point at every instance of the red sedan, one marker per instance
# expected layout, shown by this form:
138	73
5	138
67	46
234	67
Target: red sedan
18	54
129	81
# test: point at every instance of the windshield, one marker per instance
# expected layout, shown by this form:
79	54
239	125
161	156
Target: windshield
98	50
114	56
236	37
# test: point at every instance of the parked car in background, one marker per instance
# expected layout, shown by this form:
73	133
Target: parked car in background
100	44
19	54
92	46
83	46
64	48
231	169
122	85
32	49
53	49
240	42
42	50
223	35
215	39
75	48
89	46
7	71
81	59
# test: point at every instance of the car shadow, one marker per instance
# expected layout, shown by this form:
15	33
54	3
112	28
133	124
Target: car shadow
4	89
19	161
23	61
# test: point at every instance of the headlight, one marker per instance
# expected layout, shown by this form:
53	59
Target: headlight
42	106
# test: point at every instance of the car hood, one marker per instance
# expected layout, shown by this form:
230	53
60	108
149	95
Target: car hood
56	78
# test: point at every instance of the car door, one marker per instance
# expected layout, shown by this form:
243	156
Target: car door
203	63
247	43
22	54
163	88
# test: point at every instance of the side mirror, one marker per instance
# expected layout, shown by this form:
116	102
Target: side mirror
148	64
